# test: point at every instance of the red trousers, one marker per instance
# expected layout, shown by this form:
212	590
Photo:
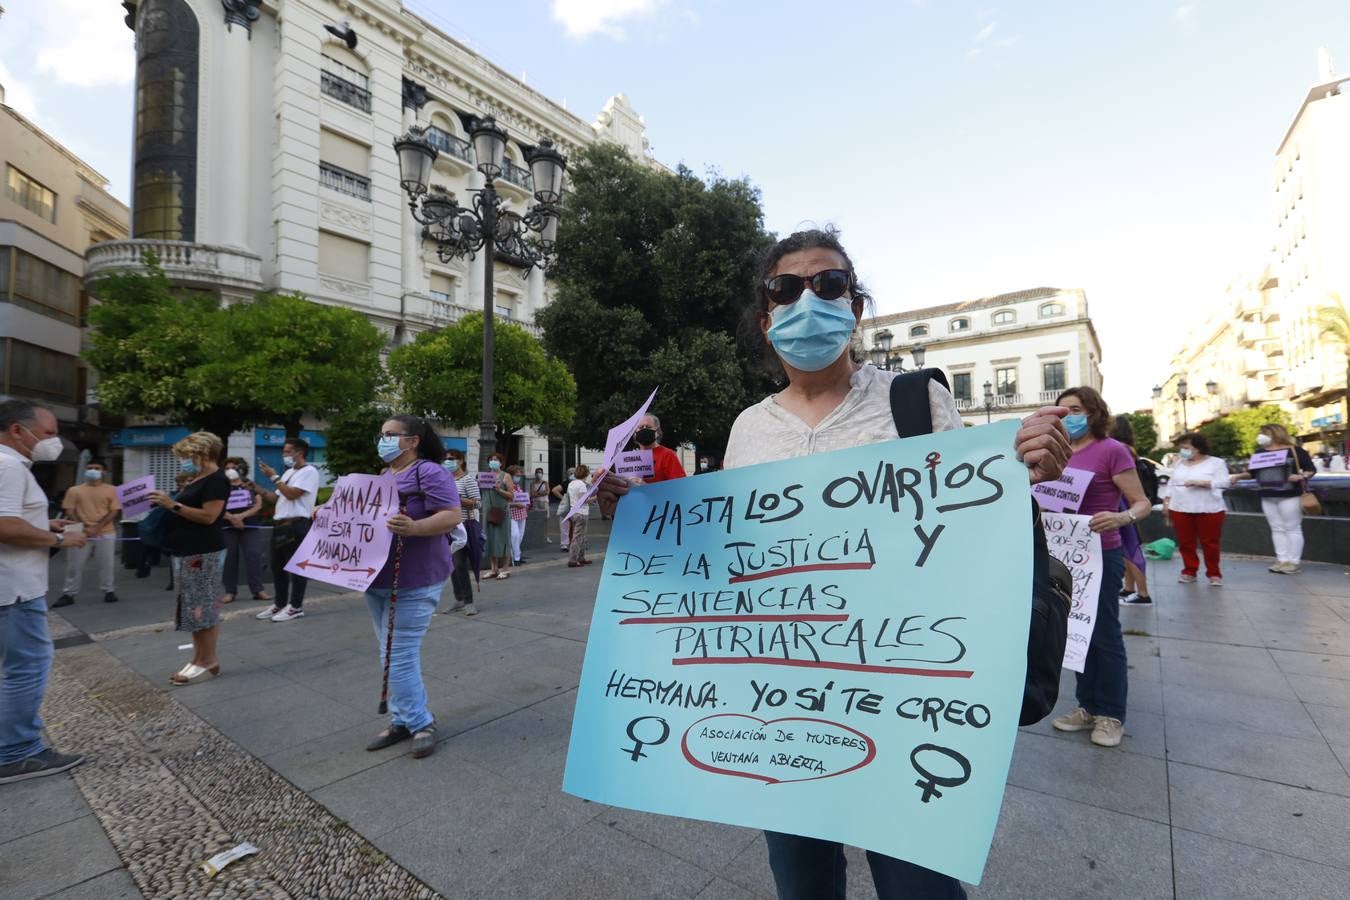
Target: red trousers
1205	527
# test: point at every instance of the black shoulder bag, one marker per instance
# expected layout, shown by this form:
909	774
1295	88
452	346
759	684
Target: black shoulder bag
1051	583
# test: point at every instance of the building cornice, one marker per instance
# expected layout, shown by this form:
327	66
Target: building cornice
1315	93
975	338
89	173
947	309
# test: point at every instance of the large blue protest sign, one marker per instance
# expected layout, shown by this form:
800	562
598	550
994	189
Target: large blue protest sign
831	646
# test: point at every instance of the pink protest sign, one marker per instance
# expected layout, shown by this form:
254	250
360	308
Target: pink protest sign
1268	459
487	481
134	496
520	497
349	543
1064	495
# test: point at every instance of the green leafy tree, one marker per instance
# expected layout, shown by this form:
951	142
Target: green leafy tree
1145	432
1235	433
283	356
440	375
148	344
1333	321
654	273
351	439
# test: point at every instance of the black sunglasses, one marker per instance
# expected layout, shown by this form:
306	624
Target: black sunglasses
827	284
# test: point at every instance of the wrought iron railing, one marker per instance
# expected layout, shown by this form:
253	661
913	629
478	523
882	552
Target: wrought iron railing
448	143
517	175
344	91
344	182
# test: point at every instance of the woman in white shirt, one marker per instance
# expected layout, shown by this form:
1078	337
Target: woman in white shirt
808	305
1193	503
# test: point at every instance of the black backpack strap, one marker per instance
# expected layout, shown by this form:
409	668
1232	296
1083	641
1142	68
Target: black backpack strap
909	401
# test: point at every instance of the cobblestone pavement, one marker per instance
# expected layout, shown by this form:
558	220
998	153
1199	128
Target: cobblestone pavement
1231	782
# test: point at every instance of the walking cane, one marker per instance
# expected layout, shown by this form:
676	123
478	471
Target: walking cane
389	628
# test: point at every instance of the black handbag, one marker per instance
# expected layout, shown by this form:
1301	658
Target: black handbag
1051	582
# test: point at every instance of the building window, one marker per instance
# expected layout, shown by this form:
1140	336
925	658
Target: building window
338	179
1052	376
961	385
38	285
918	331
446	142
31	195
1005	381
344	83
33	371
164	195
342	257
961	324
1004	317
503	311
1050	310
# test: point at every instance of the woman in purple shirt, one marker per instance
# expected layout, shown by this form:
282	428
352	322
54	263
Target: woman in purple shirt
428	508
1103	684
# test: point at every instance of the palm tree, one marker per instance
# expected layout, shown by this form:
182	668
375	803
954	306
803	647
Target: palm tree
1333	320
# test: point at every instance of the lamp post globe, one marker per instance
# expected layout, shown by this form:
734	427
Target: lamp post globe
547	166
883	339
919	353
415	157
878	356
489	146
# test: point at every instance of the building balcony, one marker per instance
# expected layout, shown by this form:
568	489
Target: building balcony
452	151
183	263
344	91
1253	333
1254	361
515	180
444	312
1001	401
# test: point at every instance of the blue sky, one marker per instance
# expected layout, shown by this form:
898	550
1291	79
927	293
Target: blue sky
965	149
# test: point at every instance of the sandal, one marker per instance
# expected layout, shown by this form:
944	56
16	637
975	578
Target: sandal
262	596
228	598
503	576
193	673
424	742
389	737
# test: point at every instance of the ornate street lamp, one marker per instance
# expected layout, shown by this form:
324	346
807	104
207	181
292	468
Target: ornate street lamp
1157	391
461	231
988	402
881	356
1181	392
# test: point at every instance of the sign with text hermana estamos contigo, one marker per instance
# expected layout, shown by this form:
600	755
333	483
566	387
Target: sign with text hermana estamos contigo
832	646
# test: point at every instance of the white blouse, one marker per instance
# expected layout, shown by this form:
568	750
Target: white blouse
767	432
1197	499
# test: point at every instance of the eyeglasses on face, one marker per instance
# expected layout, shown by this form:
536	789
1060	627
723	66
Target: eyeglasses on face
827	284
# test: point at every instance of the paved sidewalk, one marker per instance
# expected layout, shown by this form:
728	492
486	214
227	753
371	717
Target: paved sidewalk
1231	782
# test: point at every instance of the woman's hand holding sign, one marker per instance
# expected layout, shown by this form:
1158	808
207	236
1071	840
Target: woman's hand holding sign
1043	444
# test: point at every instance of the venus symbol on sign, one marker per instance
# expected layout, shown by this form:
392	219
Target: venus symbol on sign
635	751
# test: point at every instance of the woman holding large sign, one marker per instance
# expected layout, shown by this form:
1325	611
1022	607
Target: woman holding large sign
1103	684
405	592
808	304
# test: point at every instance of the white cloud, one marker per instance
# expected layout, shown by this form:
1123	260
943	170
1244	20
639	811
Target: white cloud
1183	12
985	32
583	18
973	52
18	94
82	43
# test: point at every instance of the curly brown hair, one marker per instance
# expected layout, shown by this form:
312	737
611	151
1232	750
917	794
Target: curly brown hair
1098	413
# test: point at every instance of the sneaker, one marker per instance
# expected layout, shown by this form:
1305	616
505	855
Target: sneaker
1126	595
287	614
1107	732
268	613
63	600
1215	581
470	610
48	762
1078	720
1126	592
110	597
1186	579
1277	568
459	604
1138	600
1291	568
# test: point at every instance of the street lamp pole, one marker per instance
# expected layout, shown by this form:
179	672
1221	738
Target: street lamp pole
882	358
988	402
1181	392
461	231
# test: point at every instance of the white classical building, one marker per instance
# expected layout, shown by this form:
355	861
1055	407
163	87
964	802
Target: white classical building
1023	347
264	161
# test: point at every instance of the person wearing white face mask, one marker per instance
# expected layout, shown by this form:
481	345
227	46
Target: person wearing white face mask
294	498
1281	487
242	539
94	505
808	304
27	435
1193	503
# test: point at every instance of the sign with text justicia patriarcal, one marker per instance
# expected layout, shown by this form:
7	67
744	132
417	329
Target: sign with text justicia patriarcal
832	646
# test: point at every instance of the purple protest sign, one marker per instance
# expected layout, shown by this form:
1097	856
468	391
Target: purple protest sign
134	496
1064	495
614	444
487	481
1268	459
349	543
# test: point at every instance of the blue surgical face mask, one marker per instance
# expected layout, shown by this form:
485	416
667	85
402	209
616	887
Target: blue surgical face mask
1076	426
188	466
1187	452
450	465
494	464
388	448
93	474
812	333
288	461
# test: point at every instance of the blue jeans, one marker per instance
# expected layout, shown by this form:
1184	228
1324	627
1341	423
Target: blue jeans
412	614
812	869
1104	682
26	651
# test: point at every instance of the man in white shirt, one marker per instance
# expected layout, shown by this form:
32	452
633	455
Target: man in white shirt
294	498
28	434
